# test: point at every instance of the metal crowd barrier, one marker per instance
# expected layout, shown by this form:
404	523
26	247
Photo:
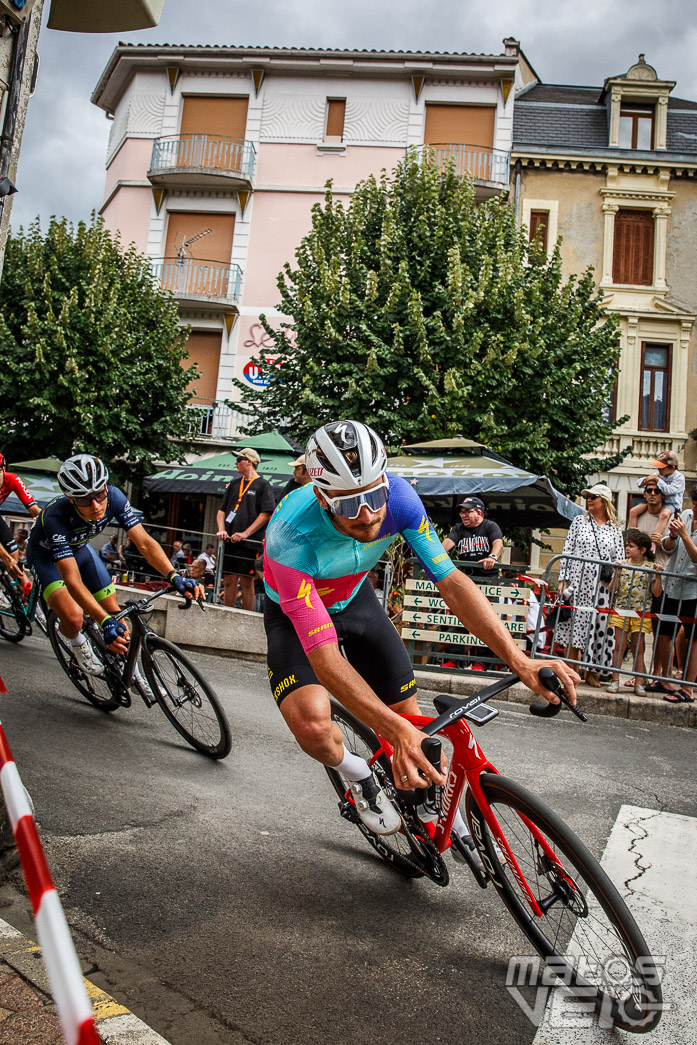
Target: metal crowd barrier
590	624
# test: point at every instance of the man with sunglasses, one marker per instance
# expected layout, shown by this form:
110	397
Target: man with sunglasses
320	546
73	579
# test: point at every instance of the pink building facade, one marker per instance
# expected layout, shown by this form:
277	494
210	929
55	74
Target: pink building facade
217	155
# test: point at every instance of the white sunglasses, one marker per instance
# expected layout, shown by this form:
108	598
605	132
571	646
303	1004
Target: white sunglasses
349	505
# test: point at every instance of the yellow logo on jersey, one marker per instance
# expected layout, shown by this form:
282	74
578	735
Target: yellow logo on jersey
425	528
304	593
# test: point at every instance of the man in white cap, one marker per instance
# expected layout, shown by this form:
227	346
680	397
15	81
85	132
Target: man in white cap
300	476
247	506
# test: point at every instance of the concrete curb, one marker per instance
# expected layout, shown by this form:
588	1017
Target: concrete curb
115	1023
593	701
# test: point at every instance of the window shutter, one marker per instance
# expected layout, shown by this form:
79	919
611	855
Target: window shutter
632	259
539	221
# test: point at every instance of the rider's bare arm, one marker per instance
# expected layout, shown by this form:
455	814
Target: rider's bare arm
337	675
153	553
470	605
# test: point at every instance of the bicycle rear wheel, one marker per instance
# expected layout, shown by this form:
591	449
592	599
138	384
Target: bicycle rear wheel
586	933
186	698
14	625
94	688
360	740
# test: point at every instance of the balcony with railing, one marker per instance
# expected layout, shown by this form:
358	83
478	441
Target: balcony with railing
209	285
488	168
199	160
645	445
215	421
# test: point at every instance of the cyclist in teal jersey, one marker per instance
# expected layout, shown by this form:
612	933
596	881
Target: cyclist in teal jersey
320	545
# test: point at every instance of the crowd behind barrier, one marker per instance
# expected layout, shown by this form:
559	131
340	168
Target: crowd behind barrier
640	639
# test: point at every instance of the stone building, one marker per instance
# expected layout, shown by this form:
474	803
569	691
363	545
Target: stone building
612	170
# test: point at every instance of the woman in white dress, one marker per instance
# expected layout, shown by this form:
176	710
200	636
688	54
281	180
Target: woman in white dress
594	535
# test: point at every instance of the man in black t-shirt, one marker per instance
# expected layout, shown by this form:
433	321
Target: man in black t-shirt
479	541
247	506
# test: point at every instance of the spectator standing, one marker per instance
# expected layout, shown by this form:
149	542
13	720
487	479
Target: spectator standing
594	535
479	541
666	464
247	506
650	522
633	592
131	556
680	600
300	478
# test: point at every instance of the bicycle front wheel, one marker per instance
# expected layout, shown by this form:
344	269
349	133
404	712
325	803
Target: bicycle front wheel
360	740
585	933
94	688
14	625
186	698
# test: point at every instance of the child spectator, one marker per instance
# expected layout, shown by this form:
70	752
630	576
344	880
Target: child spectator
666	465
632	603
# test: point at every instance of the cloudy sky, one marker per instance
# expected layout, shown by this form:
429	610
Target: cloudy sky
61	168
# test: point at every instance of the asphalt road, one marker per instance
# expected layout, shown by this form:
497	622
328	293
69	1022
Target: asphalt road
228	902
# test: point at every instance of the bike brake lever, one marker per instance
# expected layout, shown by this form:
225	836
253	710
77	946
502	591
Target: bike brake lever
547	710
200	600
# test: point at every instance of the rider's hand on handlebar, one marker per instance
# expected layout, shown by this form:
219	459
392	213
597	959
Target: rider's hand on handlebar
568	677
115	635
410	766
186	586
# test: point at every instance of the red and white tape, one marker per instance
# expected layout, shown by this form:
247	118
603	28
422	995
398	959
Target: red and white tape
67	985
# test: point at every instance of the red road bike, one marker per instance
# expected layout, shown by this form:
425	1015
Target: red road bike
548	880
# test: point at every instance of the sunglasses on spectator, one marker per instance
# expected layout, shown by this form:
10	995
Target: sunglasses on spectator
348	506
592	497
85	502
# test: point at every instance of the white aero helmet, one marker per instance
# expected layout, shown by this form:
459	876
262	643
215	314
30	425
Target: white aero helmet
345	455
82	475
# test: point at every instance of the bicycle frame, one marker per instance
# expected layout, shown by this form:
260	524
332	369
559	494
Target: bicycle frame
28	607
466	764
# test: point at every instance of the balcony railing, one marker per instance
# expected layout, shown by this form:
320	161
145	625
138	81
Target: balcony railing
473	161
216	421
199	280
645	446
203	154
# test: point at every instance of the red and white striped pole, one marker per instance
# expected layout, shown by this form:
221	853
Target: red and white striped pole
67	985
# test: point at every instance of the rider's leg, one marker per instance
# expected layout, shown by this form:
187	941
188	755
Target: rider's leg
307	712
68	612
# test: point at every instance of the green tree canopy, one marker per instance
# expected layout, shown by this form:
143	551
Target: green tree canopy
427	315
91	351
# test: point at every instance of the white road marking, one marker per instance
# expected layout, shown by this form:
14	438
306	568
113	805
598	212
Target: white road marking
651	857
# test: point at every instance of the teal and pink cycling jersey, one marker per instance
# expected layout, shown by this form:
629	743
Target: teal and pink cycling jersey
313	571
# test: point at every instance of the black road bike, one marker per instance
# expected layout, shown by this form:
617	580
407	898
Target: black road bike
176	684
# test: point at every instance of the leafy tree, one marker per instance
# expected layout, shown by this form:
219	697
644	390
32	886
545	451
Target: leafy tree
91	351
427	315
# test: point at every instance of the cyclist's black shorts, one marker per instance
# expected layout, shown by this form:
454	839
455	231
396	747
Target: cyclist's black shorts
6	537
369	639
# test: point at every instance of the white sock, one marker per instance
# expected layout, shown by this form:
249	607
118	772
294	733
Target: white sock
78	640
459	826
353	767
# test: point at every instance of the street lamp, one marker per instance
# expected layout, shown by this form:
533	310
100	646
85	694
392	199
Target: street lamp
6	189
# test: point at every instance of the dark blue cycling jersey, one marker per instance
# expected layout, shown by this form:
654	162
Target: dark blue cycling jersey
60	530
